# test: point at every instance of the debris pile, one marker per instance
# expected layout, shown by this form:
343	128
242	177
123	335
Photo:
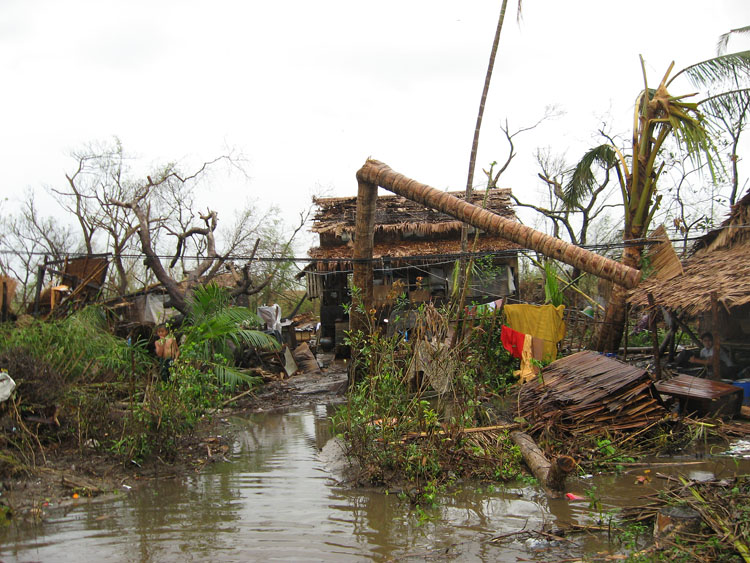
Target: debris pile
588	393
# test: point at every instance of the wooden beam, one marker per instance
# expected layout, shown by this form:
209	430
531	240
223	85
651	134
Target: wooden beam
654	336
716	357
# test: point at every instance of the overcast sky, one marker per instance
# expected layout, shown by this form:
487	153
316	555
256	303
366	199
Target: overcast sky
307	90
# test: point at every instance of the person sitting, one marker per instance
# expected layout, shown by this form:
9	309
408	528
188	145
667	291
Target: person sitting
705	358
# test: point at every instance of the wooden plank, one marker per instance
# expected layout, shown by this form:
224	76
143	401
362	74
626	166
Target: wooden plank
689	387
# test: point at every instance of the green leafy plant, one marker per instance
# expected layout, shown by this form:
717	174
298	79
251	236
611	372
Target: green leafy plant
552	292
215	330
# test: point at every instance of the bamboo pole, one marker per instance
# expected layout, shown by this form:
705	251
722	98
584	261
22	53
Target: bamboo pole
375	173
716	357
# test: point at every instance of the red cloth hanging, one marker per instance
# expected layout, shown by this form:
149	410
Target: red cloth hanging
512	341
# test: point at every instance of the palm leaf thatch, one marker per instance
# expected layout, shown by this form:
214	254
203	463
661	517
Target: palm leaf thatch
718	264
396	215
661	256
406	232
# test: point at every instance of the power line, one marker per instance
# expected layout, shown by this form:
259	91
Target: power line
426	257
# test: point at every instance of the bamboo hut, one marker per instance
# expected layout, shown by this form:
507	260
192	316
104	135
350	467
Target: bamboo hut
714	285
415	249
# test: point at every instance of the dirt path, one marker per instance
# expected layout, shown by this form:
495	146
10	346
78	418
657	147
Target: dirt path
325	387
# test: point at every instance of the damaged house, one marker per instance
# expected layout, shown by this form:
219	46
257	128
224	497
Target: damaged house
712	286
415	251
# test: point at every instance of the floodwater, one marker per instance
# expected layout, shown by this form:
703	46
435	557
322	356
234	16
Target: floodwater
276	500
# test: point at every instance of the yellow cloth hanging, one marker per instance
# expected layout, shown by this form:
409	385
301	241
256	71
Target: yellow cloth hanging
542	321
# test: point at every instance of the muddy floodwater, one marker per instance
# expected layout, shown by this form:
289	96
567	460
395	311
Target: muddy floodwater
277	500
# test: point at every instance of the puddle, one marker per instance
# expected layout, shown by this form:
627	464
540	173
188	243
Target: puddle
276	501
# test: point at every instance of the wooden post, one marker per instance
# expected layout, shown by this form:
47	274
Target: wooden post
716	357
627	330
654	336
668	342
362	292
364	235
4	303
39	285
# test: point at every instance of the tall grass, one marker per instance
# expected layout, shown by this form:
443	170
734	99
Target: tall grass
80	347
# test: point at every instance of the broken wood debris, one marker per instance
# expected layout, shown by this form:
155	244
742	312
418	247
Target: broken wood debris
588	393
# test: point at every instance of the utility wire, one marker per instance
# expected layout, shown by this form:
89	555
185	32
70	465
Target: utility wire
426	257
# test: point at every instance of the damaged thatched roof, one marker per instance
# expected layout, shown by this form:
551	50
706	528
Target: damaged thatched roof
411	251
396	214
588	393
403	229
734	230
718	264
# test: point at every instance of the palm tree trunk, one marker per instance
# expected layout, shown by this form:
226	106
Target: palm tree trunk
364	229
610	331
480	116
378	174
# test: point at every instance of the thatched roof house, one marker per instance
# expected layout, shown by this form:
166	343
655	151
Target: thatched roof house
415	249
718	266
403	228
718	263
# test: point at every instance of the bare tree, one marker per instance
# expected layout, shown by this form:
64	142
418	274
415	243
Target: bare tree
196	249
570	220
730	116
102	175
153	216
690	204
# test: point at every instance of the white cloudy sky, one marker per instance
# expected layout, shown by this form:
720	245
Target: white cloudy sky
307	90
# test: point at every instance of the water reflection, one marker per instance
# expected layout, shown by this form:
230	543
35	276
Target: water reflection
274	500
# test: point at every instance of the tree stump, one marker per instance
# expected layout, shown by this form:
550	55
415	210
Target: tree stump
551	474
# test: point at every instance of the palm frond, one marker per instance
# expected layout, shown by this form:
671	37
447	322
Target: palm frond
258	339
721	45
232	376
731	68
242	316
730	105
689	128
583	179
206	300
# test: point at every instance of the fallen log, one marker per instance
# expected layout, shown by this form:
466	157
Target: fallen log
551	474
